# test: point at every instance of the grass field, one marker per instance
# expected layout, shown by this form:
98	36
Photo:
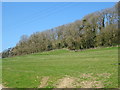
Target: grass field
93	68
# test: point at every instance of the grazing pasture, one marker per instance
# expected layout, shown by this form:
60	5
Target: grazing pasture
62	68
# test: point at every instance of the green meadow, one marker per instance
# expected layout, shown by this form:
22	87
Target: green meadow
62	68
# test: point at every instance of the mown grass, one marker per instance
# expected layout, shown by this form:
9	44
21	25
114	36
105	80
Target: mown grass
27	71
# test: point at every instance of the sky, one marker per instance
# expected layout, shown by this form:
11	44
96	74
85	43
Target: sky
26	18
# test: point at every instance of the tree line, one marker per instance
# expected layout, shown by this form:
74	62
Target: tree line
98	29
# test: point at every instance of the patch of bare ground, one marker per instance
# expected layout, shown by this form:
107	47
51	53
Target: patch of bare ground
91	84
105	75
89	75
72	82
66	82
90	81
44	82
1	86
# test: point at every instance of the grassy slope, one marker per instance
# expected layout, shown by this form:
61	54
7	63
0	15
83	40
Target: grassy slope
27	71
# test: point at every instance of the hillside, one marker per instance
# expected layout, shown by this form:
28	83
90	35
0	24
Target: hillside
63	68
97	29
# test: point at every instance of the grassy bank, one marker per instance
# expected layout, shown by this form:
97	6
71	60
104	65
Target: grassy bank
94	68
